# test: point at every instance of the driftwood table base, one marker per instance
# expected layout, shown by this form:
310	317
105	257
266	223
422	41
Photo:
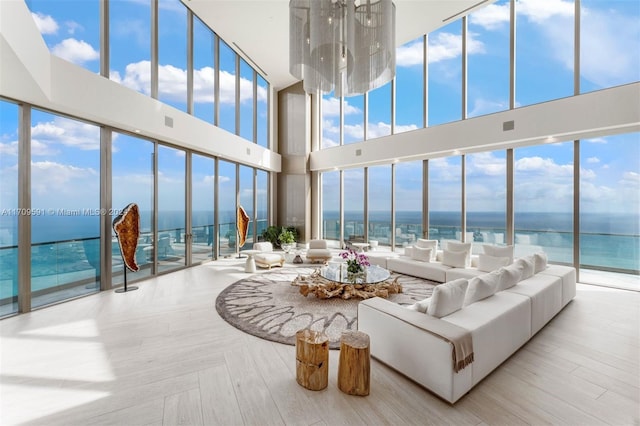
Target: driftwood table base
326	289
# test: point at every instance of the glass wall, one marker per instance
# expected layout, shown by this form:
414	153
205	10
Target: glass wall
130	44
246	100
203	190
331	205
246	201
488	59
132	165
409	86
263	112
444	55
609	40
172	53
543	201
262	202
170	245
379	112
227	208
353	204
379	204
445	199
71	33
544	51
353	119
486	191
203	71
8	208
330	121
408	196
227	88
65	191
609	205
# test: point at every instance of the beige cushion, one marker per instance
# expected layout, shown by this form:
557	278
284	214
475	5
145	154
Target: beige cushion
488	263
527	266
456	259
540	260
263	246
499	251
421	306
421	254
447	298
482	287
318	244
509	276
432	244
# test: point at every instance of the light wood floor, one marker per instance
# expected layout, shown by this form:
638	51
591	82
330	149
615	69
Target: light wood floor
162	355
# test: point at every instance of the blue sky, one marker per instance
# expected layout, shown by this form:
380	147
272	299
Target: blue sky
610	168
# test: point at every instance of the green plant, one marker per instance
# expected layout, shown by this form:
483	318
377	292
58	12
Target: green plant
272	233
286	236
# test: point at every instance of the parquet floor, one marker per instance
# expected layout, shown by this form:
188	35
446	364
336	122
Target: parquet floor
162	355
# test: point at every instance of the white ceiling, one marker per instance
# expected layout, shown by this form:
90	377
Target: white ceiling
259	29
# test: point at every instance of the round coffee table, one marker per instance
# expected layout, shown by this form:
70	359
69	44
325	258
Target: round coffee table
373	274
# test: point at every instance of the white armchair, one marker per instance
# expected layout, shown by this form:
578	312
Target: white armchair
318	251
266	258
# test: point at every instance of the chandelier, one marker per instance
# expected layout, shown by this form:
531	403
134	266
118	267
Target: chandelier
338	46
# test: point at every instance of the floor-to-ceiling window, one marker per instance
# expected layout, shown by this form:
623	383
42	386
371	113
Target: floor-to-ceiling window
331	205
408	201
132	179
227	87
379	112
71	30
544	51
410	86
227	208
444	86
203	71
203	189
263	112
379	204
609	40
246	200
609	205
172	53
65	187
170	246
330	121
130	44
486	198
262	202
353	119
353	203
9	211
445	199
246	101
543	201
488	59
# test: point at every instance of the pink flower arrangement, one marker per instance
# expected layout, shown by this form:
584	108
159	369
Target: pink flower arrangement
355	261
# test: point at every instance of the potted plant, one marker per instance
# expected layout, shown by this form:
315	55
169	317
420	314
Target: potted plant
287	240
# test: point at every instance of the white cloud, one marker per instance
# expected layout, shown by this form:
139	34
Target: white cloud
491	17
534	166
73	26
485	164
45	23
331	107
76	51
9	148
443	46
485	106
631	179
593	160
50	180
65	132
596	140
540	11
410	54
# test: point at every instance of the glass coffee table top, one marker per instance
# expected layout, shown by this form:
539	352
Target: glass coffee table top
337	272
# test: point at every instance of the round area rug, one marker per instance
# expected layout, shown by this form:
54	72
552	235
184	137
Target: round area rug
267	306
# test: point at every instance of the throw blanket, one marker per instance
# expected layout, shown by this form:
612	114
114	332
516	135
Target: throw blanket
460	338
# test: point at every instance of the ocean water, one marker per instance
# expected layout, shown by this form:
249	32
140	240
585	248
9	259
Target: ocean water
67	246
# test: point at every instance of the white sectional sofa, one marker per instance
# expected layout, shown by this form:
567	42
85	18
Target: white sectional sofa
499	325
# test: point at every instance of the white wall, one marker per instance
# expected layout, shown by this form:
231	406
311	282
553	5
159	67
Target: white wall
601	113
29	73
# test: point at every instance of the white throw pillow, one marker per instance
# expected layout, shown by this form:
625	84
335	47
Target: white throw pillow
458	246
487	263
540	259
421	254
527	267
456	259
432	244
499	251
408	251
447	298
509	276
421	306
481	287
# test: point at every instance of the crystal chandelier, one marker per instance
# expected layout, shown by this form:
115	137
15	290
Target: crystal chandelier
338	46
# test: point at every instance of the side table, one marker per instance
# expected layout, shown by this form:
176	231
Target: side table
250	264
354	369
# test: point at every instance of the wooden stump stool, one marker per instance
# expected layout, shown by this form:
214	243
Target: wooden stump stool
312	359
354	368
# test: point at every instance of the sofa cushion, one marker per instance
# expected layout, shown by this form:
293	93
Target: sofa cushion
540	262
545	292
509	276
265	246
526	265
488	263
458	246
499	251
456	259
432	244
466	273
482	287
429	271
421	306
447	298
421	254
